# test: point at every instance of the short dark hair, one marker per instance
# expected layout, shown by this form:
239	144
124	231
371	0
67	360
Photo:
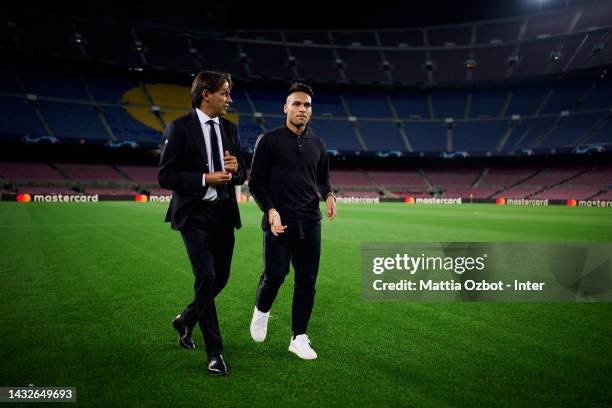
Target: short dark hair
300	87
207	80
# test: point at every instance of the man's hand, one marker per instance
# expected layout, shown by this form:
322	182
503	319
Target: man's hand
276	226
217	178
230	163
330	202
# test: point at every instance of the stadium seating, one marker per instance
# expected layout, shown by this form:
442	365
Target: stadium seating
83	123
337	134
573	35
125	127
359	194
267	61
163	49
426	136
511	87
526	101
109	191
109	89
480	124
395	180
350	178
409	105
504	177
46	190
381	135
487	104
451	178
140	174
115	109
29	171
480	135
18	118
53	84
89	171
556	183
603	196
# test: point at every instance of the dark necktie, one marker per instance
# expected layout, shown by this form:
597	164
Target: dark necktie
216	158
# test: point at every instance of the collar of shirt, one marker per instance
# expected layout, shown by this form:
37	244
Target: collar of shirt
205	118
305	133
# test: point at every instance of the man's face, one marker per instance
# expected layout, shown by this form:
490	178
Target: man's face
298	109
218	101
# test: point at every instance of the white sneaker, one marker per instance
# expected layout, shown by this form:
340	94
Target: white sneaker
259	325
300	346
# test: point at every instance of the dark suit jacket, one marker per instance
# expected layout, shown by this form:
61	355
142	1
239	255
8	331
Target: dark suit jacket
184	160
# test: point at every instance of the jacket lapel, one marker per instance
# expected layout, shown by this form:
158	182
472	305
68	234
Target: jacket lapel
224	137
195	128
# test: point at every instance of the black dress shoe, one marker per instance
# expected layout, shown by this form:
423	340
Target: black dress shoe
185	339
217	366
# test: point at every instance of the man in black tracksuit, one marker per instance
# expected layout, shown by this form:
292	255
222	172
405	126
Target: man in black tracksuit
289	174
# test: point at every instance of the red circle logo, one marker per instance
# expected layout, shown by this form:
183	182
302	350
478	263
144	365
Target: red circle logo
24	198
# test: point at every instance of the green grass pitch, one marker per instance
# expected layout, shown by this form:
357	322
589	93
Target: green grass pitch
88	292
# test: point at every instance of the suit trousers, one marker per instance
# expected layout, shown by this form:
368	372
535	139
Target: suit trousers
299	245
209	239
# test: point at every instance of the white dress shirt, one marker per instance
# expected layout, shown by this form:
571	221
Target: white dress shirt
211	193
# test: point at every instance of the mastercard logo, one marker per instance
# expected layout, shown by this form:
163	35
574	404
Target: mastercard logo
24	198
500	201
409	200
571	203
141	198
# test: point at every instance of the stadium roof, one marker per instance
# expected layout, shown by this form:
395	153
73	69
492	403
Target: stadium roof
305	14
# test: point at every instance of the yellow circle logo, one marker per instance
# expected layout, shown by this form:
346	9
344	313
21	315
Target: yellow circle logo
173	101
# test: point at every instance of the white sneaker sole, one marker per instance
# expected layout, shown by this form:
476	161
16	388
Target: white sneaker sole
256	338
255	333
294	351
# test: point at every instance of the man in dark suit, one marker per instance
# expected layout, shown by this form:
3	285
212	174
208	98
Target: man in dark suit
201	162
